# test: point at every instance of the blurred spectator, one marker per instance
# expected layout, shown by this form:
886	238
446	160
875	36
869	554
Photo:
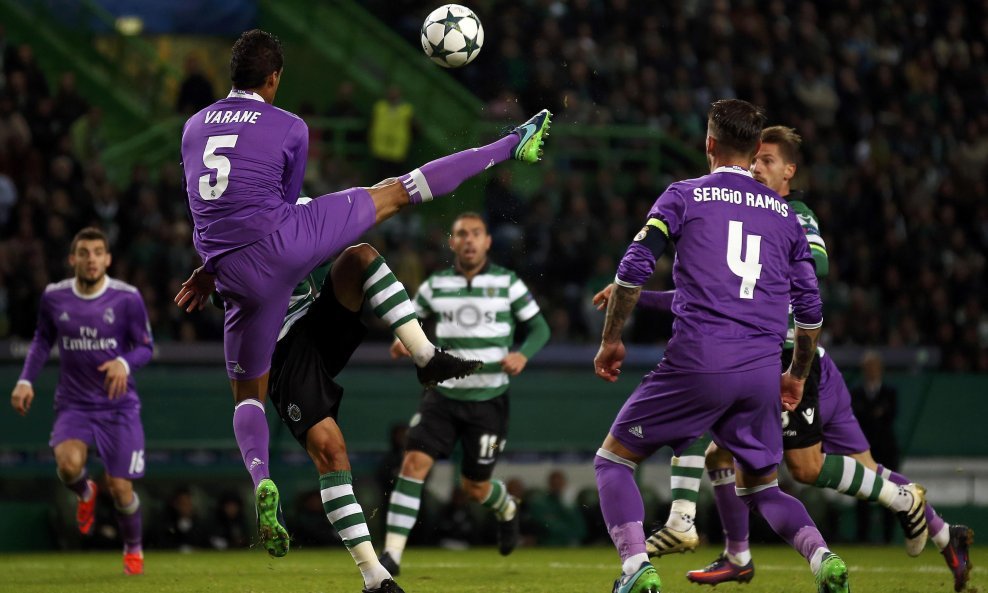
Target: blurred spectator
555	517
875	405
229	528
390	134
181	526
196	91
458	528
311	527
69	104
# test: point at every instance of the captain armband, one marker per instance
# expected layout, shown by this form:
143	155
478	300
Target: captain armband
654	236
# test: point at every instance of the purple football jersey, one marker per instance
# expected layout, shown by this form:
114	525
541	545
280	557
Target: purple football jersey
244	162
90	330
741	257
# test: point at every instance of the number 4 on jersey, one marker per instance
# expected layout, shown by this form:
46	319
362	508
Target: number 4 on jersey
748	269
208	191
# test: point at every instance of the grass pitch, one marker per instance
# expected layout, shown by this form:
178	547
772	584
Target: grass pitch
330	570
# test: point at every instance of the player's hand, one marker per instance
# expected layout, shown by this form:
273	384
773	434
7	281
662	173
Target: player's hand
195	291
398	350
21	398
792	391
116	377
601	298
514	363
610	357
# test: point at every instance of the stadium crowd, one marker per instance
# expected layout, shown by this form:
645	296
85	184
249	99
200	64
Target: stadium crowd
889	98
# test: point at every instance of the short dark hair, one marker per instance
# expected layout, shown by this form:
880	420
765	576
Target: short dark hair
90	233
736	125
466	215
786	139
255	56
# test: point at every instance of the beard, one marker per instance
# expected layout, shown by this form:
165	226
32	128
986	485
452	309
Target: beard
90	282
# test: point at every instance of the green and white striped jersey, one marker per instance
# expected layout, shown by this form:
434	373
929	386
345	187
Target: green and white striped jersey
476	320
811	226
303	296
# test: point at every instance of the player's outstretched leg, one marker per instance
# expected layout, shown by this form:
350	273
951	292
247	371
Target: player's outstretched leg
442	176
908	501
788	518
623	510
389	301
532	136
679	532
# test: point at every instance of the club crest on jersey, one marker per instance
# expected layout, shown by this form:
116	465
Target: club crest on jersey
294	413
108	316
491	291
642	233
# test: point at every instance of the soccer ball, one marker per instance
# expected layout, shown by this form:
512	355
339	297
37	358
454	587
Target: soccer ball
452	36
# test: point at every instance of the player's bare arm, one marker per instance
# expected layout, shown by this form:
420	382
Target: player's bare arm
21	397
196	290
607	363
116	377
600	299
794	378
514	363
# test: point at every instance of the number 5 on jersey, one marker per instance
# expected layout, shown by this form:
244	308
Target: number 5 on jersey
208	191
748	269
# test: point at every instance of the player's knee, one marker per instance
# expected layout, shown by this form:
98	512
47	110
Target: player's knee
365	253
477	491
70	467
121	490
804	473
717	458
416	465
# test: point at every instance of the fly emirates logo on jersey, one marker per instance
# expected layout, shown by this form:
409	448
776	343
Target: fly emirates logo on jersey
88	341
734	196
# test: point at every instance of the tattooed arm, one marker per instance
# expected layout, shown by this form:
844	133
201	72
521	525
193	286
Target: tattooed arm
804	349
610	357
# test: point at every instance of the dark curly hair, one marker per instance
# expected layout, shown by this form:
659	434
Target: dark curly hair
256	55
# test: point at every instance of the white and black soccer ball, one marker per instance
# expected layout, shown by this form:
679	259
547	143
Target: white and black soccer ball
452	36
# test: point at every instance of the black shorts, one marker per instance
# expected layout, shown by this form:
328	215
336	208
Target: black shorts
482	427
802	427
306	360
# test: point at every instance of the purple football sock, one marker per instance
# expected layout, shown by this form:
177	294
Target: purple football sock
787	517
622	506
251	429
442	176
80	486
732	510
129	520
934	522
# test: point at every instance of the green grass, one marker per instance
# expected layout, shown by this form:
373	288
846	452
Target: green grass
591	570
